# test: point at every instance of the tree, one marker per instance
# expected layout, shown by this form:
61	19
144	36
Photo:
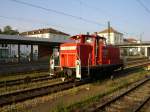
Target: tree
0	31
8	30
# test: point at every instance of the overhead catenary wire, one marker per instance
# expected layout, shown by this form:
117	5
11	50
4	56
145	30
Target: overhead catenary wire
98	9
18	19
37	21
27	20
107	14
59	12
144	6
92	7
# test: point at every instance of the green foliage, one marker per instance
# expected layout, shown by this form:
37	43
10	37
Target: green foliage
9	31
60	108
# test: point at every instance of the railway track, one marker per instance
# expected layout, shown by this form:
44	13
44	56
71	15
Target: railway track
22	95
135	58
137	61
25	80
131	69
131	100
47	77
136	65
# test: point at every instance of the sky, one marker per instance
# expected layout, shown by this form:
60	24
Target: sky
130	17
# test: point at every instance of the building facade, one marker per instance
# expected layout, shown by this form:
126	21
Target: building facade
133	51
49	33
11	52
20	52
114	37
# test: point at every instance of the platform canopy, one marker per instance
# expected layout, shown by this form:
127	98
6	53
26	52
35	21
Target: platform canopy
17	39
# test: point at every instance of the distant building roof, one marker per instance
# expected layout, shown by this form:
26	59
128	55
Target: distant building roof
130	40
41	31
19	38
111	31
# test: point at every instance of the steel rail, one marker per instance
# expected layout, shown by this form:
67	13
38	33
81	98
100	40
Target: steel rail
23	95
105	104
24	80
142	105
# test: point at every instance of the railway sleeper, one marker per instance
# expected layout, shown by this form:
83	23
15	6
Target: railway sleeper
133	98
121	102
113	109
118	106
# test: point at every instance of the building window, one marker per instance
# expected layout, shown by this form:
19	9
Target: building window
4	45
4	53
13	45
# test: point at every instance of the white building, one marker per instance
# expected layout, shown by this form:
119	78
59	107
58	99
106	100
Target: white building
47	33
115	37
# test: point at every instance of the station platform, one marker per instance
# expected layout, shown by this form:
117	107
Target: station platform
23	67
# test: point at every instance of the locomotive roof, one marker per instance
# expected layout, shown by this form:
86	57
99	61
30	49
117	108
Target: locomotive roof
82	36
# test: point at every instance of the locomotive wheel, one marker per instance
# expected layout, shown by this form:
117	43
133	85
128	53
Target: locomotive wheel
69	72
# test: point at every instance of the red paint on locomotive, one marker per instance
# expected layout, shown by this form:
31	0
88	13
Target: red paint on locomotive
91	50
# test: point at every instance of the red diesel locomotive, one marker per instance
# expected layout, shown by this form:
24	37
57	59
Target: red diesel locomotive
88	56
